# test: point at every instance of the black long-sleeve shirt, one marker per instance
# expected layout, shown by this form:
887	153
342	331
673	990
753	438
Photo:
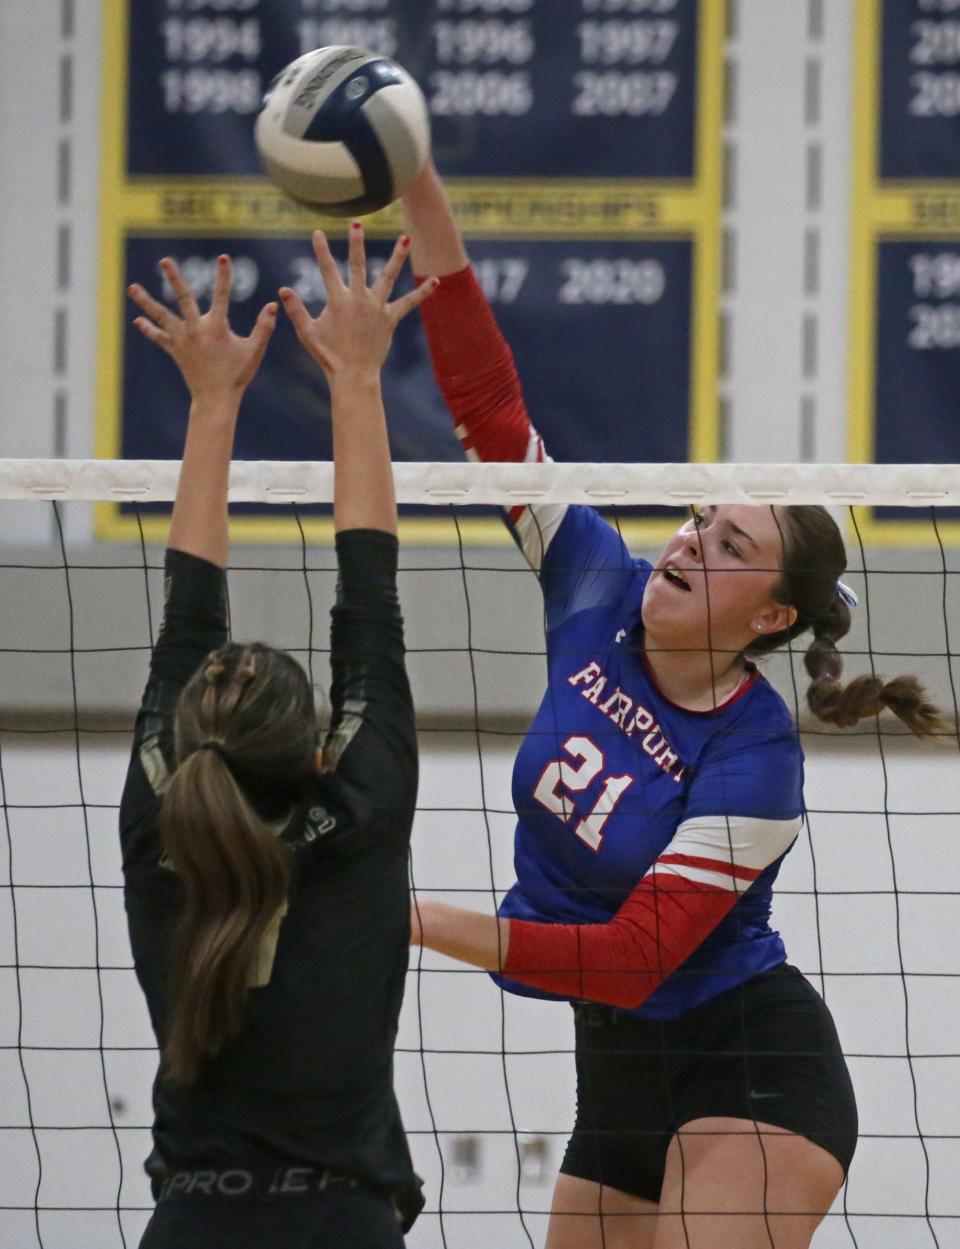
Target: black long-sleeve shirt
309	1080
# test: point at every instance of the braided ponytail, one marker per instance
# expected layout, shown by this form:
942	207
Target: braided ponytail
846	705
813	560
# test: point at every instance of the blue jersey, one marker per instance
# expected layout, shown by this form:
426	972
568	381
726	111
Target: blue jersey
616	787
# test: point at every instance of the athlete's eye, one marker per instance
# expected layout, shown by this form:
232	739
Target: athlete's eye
697	518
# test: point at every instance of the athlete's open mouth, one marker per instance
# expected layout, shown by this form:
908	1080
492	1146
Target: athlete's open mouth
674	575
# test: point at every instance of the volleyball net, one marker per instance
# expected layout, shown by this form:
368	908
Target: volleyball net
868	901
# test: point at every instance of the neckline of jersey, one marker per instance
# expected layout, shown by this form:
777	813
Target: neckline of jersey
728	702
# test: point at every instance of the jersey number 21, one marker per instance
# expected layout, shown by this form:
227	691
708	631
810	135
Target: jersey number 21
559	775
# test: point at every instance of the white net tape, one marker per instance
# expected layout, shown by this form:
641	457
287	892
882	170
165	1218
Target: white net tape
623	485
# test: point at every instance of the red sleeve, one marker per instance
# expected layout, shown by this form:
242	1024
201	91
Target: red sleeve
622	962
474	369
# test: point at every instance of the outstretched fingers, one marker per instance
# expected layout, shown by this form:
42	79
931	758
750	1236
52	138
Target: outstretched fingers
220	302
153	333
327	265
155	326
260	335
158	313
296	310
384	284
357	258
406	303
181	290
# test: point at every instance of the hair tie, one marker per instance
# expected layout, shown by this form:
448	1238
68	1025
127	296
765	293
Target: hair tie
848	595
216	747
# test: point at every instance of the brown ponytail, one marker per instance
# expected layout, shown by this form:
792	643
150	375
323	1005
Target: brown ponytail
246	737
813	561
846	705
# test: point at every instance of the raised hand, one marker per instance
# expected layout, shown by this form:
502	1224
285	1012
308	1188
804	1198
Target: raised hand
352	335
215	362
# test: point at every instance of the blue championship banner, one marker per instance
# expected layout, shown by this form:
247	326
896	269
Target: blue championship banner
905	332
580	143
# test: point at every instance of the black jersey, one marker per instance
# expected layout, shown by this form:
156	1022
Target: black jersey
310	1077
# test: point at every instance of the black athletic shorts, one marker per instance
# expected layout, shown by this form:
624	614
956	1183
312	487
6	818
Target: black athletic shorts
345	1215
766	1050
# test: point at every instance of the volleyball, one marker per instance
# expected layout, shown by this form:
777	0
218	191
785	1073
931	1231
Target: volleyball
344	130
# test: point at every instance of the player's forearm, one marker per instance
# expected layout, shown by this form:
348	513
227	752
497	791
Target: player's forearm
363	474
199	523
468	936
621	962
436	245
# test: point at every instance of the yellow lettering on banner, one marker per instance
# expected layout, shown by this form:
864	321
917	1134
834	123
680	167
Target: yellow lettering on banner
936	210
555	208
921	209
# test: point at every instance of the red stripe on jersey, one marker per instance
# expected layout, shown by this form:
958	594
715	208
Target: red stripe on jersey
623	961
711	865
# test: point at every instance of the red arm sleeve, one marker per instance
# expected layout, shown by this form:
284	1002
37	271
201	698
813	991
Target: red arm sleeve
695	882
475	371
477	377
622	962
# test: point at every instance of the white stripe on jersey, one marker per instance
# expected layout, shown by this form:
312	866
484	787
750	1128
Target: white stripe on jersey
536	527
698	875
463	433
537	524
740	846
